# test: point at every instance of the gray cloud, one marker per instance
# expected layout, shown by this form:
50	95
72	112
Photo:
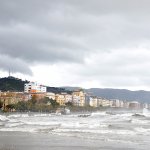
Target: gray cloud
14	65
100	37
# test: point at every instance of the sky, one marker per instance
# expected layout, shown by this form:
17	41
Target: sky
85	43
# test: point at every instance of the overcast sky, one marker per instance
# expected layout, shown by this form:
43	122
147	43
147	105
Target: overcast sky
86	43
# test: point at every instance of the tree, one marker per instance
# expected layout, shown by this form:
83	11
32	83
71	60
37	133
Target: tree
1	104
54	103
33	99
69	104
46	100
21	106
10	107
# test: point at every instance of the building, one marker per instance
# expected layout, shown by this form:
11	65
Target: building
60	98
50	95
145	105
105	102
78	98
8	98
93	101
68	98
126	104
121	104
75	100
134	105
34	87
116	103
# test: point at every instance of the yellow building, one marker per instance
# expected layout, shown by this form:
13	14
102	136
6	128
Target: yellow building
10	98
60	98
79	98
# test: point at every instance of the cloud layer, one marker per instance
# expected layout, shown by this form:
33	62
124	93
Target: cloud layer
101	41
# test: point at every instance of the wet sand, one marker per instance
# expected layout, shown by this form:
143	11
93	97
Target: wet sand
45	141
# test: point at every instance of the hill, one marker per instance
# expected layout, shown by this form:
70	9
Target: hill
17	85
12	84
122	94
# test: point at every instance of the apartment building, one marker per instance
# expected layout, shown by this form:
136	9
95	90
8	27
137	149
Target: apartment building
60	98
34	87
78	98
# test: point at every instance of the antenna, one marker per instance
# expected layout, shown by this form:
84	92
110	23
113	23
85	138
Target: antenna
9	72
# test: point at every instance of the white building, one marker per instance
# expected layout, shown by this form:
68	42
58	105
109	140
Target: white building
76	100
93	102
145	105
105	102
121	103
68	98
34	87
116	103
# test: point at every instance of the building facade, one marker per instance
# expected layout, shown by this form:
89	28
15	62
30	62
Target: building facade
78	98
34	87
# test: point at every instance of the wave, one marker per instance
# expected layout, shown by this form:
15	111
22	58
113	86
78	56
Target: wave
138	121
141	130
15	124
138	115
17	129
99	113
24	115
18	115
89	131
3	118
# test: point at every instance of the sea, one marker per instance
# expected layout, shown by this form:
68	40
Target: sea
101	130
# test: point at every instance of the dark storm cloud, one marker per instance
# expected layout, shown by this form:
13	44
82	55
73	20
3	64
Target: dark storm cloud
70	31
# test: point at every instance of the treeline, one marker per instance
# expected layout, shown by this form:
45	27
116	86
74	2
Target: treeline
57	90
33	105
44	105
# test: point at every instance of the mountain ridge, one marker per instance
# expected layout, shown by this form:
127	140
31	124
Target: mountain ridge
121	94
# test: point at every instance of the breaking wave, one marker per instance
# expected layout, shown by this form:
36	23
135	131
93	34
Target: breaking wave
98	125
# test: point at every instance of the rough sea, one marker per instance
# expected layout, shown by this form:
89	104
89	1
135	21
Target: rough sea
129	130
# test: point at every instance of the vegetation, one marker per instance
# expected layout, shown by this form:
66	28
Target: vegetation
45	105
58	90
12	84
42	105
21	106
1	104
10	107
69	104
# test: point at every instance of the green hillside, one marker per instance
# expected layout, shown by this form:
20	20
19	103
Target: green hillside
12	84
